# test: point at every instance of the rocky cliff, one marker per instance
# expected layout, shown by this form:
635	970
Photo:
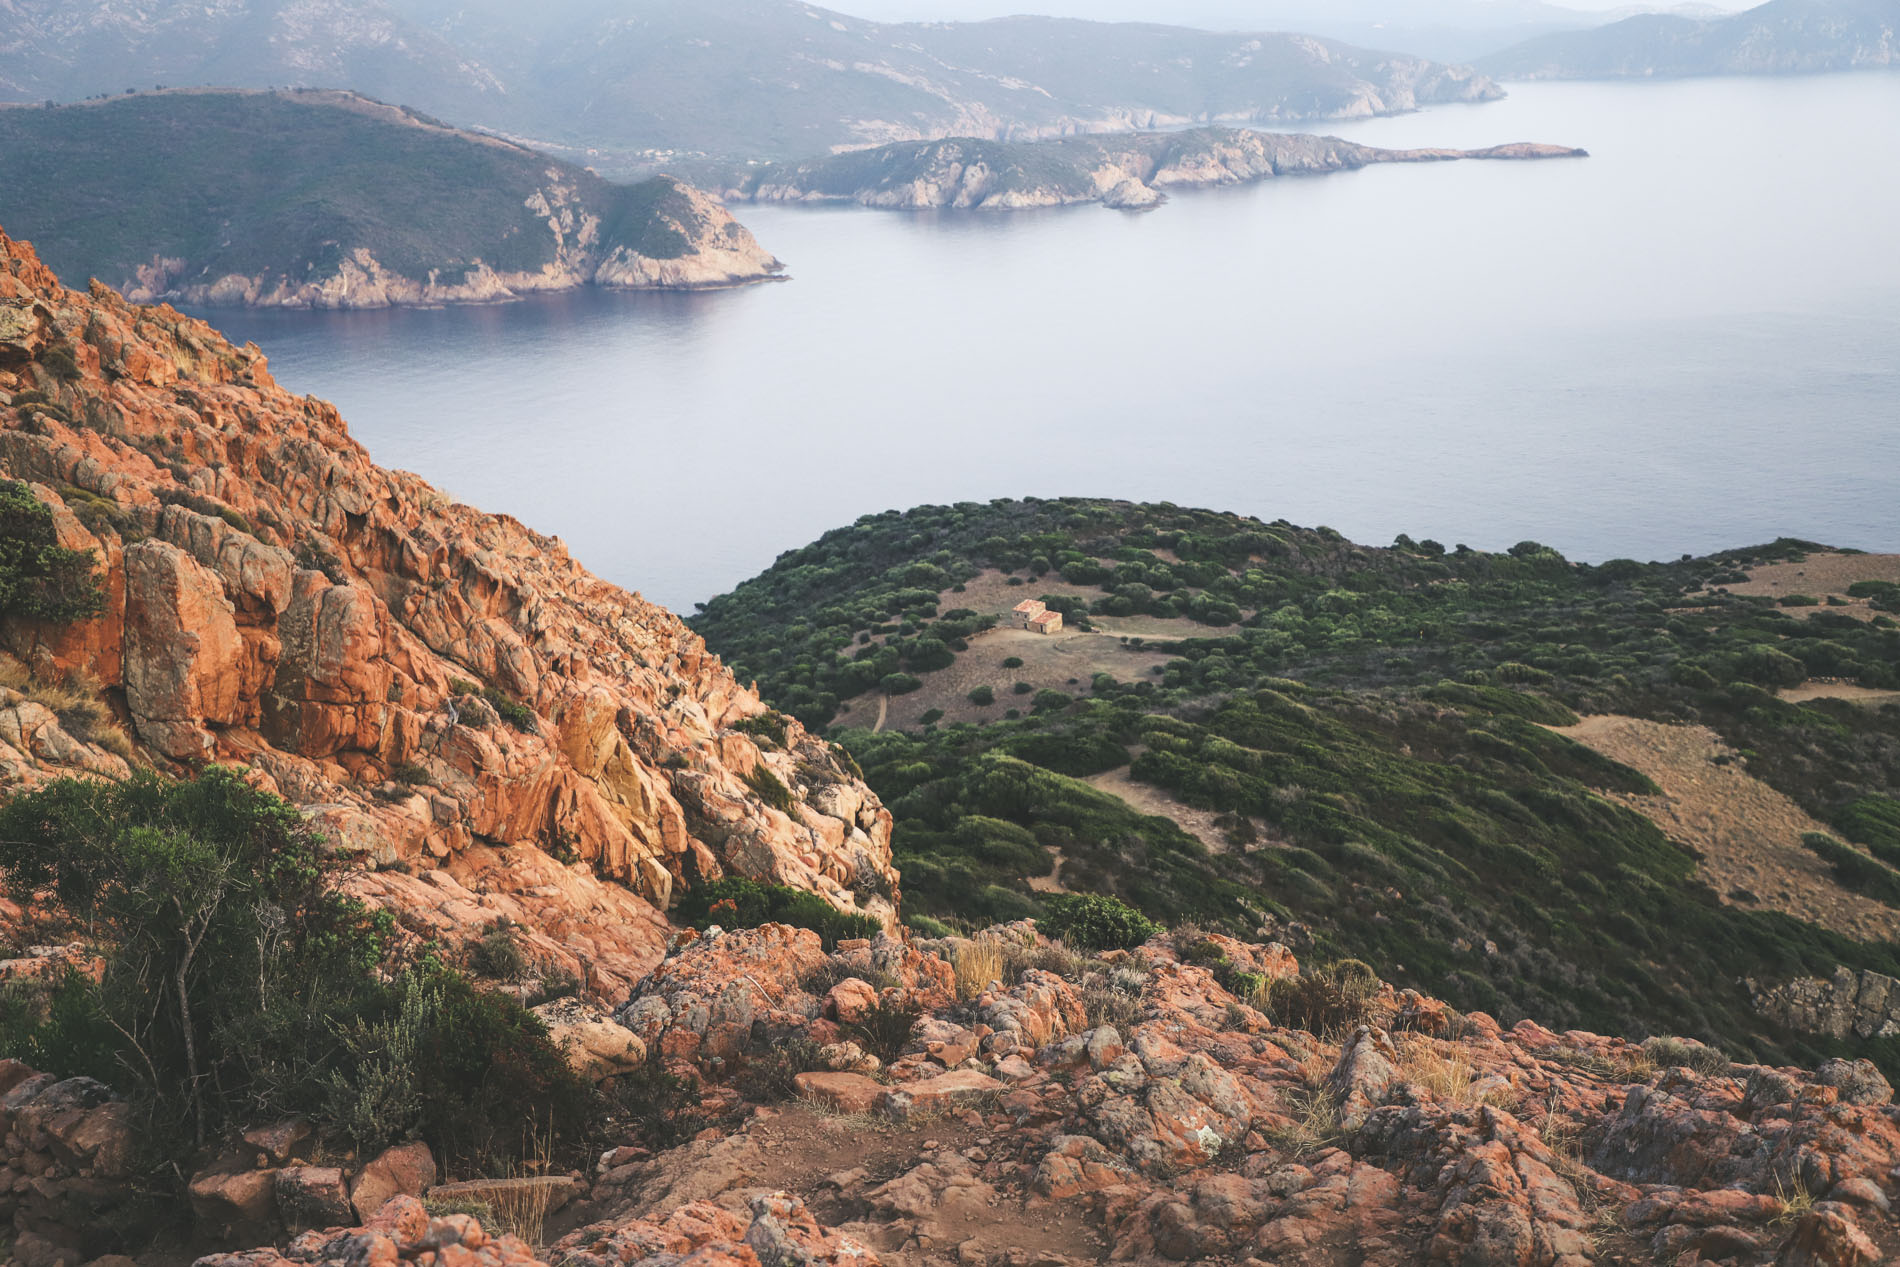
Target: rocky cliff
494	732
332	200
1132	171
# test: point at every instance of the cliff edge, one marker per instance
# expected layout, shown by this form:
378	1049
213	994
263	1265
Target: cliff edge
492	730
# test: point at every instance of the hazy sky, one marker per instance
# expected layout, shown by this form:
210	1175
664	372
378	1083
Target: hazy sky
1237	13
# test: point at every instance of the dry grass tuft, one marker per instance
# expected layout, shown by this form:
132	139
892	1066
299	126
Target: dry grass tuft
977	963
75	701
1794	1199
1446	1071
1312	1125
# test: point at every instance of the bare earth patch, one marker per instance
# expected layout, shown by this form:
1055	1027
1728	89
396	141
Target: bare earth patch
1198	823
838	1164
1747	834
1818	576
1814	689
1061	662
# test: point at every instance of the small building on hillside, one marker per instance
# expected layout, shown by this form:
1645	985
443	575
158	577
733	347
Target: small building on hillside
1047	622
1028	610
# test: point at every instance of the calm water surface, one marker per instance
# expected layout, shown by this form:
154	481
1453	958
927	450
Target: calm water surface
1689	341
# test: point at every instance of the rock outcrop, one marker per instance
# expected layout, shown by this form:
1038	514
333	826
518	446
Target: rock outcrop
1864	1004
1131	171
490	731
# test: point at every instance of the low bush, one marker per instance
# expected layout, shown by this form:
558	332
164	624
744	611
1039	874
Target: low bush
1325	1000
736	902
241	985
1685	1053
1856	870
770	788
39	578
983	696
1094	921
884	1031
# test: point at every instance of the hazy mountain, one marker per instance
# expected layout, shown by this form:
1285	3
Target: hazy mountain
749	78
1782	37
1450	30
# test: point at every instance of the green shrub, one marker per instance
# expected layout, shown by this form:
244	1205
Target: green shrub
1021	688
60	362
983	696
770	788
1095	921
239	985
1855	870
39	578
770	725
884	1031
736	902
410	773
899	684
1012	662
498	954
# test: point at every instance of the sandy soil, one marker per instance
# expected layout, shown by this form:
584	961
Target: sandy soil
1747	834
1065	661
1819	575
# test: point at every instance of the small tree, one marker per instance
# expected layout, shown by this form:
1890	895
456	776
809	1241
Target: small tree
220	925
39	578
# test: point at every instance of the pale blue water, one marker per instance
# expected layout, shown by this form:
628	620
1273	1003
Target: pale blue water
1689	341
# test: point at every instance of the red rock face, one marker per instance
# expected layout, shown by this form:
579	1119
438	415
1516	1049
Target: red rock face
276	599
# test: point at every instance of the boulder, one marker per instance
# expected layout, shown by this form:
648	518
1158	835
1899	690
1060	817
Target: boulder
596	1045
234	1206
312	1196
407	1170
932	1093
850	1001
844	1092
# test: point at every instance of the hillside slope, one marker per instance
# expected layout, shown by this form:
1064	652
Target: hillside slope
330	200
1374	740
1130	171
1778	38
491	731
745	79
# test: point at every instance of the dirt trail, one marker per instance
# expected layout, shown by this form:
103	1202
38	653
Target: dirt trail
1747	833
1198	823
836	1162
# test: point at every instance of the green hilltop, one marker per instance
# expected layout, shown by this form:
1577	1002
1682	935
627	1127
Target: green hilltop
284	185
1364	744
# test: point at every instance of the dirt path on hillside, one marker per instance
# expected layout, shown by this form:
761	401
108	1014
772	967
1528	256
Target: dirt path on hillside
1747	834
1144	799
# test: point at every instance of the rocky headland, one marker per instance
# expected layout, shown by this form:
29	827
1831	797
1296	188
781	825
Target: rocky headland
1131	171
332	200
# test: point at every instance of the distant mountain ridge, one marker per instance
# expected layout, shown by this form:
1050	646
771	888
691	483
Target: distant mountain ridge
331	200
769	79
1781	37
